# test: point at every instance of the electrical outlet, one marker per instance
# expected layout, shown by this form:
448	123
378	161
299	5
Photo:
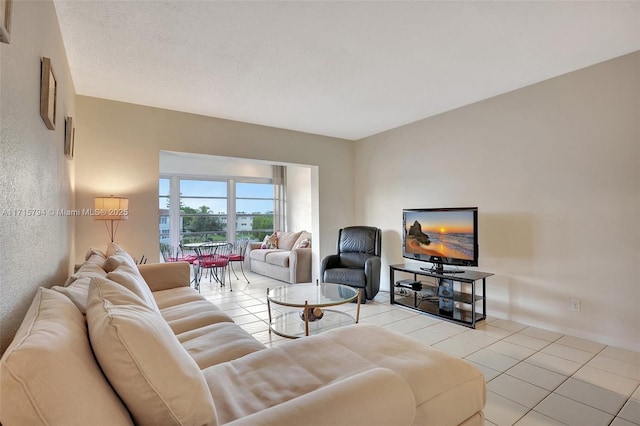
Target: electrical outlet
575	305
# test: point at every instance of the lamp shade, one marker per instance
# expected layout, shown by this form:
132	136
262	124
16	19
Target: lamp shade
111	208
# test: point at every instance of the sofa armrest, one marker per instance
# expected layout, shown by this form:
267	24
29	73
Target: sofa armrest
163	276
253	245
372	271
362	399
300	265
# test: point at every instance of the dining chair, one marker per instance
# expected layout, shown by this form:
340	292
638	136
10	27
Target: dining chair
180	254
237	255
213	258
171	253
189	255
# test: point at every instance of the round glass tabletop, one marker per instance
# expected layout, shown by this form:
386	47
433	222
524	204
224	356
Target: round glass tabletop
320	295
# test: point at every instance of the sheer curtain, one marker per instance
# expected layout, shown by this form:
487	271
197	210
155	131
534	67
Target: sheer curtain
280	198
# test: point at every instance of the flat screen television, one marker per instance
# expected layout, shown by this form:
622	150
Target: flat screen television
444	236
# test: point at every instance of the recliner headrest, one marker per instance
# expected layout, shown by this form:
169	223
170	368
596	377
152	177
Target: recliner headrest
359	239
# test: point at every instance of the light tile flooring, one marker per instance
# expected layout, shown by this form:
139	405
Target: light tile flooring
534	376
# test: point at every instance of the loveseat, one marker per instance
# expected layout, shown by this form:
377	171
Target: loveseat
122	345
287	258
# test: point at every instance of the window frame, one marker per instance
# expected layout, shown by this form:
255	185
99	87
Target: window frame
175	232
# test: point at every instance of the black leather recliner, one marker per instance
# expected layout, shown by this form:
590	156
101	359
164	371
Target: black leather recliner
357	263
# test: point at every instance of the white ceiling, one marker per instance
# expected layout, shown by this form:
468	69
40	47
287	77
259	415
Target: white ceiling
346	69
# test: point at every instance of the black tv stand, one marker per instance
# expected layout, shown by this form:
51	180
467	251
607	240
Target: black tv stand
443	271
460	298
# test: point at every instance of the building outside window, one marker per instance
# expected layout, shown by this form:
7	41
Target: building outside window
254	210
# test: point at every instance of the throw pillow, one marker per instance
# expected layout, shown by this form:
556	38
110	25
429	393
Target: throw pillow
48	375
306	243
145	363
86	270
112	248
286	240
270	242
95	254
119	257
131	279
77	292
301	243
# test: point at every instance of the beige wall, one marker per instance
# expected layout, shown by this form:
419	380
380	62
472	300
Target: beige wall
209	166
117	150
34	173
299	194
555	171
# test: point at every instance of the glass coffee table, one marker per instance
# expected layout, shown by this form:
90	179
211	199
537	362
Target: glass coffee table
302	308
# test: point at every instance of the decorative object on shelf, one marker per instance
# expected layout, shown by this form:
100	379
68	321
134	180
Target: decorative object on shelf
314	314
69	136
5	20
48	91
112	210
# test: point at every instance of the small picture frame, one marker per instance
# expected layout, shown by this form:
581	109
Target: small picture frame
48	91
5	20
69	136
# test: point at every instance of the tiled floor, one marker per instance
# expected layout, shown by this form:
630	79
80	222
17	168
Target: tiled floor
534	376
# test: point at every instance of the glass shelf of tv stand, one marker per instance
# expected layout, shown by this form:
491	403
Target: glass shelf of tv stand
459	307
432	306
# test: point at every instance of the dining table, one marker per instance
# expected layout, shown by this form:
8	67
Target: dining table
201	251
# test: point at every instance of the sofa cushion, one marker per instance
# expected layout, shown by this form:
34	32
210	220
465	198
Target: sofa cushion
192	315
176	296
286	240
72	392
349	276
278	258
153	374
77	292
129	277
261	254
218	343
447	390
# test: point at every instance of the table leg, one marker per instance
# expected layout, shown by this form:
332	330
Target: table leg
306	318
269	310
358	308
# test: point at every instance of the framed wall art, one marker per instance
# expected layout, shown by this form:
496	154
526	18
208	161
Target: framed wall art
69	136
5	20
48	91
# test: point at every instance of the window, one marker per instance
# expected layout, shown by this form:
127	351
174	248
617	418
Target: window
203	210
254	210
214	210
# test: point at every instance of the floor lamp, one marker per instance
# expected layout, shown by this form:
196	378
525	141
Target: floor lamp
112	210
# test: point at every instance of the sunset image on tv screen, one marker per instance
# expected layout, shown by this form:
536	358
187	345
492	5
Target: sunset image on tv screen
440	233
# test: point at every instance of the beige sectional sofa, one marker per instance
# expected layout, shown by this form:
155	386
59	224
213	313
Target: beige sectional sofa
120	345
289	261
